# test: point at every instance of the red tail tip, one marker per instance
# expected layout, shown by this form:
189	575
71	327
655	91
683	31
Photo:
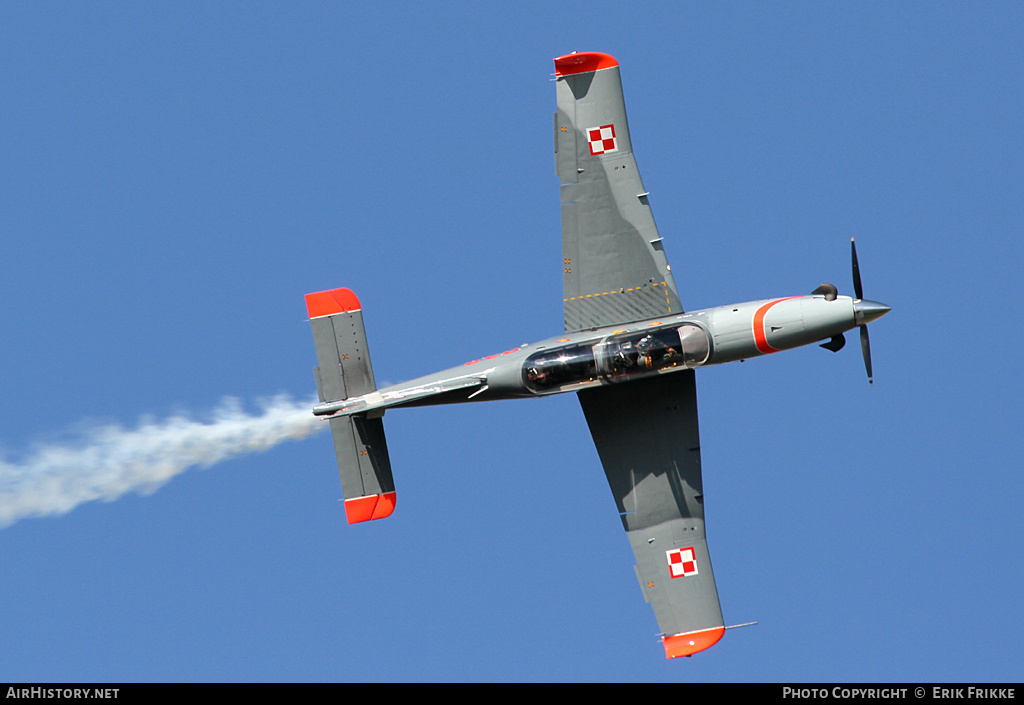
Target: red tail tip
374	506
326	303
583	62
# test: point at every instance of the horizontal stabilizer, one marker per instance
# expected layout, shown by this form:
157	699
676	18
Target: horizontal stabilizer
344	371
340	339
364	466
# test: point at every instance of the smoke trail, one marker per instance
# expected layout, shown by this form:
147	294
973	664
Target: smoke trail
111	460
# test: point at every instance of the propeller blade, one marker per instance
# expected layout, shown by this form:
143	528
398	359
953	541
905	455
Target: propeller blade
857	288
864	312
865	347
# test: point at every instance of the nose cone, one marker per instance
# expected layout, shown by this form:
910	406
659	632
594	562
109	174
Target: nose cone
866	311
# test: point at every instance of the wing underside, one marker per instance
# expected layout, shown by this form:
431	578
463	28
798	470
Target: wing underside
614	268
647	437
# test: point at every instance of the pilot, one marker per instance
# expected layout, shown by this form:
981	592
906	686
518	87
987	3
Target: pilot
538	377
624	357
645	346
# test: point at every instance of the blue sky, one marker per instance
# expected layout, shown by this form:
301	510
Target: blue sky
176	176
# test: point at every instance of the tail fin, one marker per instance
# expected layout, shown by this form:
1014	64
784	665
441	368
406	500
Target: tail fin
344	371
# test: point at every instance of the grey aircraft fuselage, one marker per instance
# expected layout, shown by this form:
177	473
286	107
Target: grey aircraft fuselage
629	350
615	354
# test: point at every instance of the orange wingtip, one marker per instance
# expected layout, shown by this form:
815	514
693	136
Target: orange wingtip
582	62
374	506
689	643
326	303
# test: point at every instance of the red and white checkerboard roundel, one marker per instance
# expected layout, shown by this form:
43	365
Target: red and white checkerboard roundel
682	562
602	139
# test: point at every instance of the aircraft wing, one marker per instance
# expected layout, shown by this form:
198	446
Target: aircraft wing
647	436
614	267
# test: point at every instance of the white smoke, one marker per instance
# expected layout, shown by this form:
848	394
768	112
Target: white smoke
110	460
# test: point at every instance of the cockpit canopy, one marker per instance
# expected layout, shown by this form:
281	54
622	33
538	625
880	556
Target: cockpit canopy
559	367
617	357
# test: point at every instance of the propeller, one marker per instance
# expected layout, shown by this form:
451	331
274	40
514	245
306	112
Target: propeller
864	311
